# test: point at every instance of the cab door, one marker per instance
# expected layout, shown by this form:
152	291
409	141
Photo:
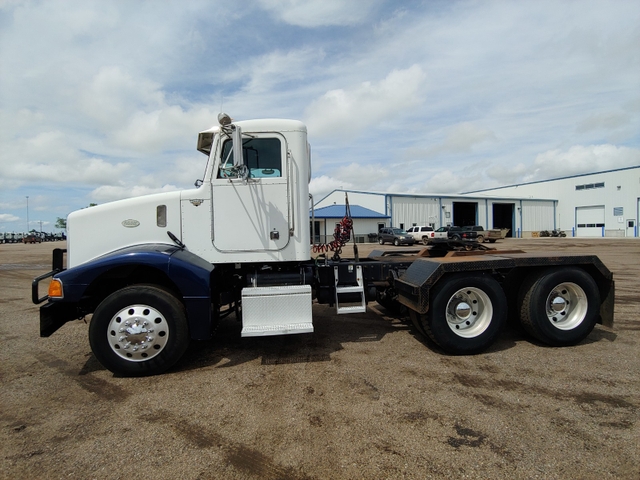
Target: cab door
251	204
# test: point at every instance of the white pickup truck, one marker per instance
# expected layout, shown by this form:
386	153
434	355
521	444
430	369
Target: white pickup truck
421	234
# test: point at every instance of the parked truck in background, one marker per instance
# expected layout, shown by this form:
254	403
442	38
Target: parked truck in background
483	235
156	271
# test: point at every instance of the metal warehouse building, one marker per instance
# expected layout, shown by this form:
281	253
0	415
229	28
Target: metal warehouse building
599	204
602	204
520	216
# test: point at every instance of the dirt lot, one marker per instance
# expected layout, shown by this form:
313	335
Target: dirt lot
363	397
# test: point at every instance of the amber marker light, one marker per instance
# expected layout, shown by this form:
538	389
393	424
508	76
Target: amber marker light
55	289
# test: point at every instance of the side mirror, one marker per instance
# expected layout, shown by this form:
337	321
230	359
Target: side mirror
236	138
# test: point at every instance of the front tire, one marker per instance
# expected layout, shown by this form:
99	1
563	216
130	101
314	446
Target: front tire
466	313
138	331
559	306
396	242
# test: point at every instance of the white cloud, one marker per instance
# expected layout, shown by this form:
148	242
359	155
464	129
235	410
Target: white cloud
448	181
51	157
277	69
605	121
322	185
345	113
464	136
582	159
317	13
459	139
373	176
7	217
135	114
113	96
505	174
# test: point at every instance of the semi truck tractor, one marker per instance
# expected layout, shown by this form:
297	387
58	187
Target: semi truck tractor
157	271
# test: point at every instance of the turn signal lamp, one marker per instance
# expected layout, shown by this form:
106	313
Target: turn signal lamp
55	289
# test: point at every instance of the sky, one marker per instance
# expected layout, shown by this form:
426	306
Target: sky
103	100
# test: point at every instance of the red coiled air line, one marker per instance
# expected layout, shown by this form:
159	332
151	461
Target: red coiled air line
341	235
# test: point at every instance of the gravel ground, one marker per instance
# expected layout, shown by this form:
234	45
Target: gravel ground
365	396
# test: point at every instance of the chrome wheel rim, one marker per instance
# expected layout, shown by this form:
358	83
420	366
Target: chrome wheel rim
566	306
138	333
469	312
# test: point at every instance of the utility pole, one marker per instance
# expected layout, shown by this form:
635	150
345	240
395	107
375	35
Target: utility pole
27	213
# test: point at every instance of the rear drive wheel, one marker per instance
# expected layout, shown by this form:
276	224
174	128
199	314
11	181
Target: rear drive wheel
139	330
559	306
480	239
381	241
466	313
425	240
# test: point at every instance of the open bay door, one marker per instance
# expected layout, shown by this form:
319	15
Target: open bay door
251	197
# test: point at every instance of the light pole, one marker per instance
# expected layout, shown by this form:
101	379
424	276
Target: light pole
27	213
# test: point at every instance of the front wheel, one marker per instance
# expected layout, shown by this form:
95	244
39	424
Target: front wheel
396	242
139	330
559	306
466	313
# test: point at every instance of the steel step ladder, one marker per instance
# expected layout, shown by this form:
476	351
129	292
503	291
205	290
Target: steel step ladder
344	289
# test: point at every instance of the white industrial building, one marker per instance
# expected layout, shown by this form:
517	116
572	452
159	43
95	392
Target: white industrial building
598	204
602	204
520	216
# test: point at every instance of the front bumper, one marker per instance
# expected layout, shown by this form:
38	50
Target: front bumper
53	314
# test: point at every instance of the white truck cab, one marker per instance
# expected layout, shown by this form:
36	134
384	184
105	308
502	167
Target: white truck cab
251	206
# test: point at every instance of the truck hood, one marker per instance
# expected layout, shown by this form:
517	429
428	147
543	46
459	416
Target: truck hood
96	231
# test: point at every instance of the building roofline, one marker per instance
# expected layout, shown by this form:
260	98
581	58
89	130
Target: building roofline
553	179
436	195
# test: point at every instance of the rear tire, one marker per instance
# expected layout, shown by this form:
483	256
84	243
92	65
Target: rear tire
559	306
425	240
139	330
466	313
480	239
381	241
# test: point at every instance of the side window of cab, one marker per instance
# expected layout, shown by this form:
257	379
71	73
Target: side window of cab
261	156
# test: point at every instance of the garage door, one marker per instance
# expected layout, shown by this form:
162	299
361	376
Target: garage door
589	221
